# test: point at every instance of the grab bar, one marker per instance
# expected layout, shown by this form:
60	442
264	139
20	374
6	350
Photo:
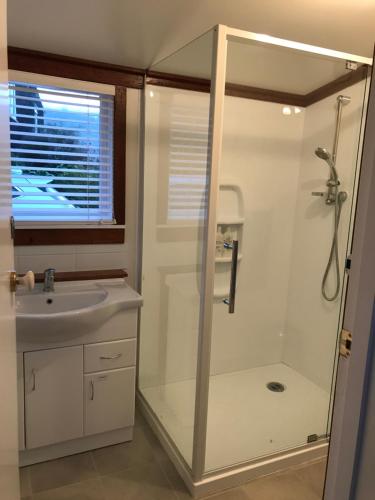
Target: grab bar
230	302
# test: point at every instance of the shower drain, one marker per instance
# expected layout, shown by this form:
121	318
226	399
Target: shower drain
276	387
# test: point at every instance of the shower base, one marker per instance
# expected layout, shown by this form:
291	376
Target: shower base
246	420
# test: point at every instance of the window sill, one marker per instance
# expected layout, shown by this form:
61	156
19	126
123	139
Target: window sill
69	236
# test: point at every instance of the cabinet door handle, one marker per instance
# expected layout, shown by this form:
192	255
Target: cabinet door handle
113	356
92	390
33	386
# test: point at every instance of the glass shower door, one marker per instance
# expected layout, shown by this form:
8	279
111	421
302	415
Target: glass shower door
175	188
274	341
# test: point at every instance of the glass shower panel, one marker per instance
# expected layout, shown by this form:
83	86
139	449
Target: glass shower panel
174	203
273	359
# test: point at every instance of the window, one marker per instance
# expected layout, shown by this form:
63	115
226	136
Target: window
61	154
68	140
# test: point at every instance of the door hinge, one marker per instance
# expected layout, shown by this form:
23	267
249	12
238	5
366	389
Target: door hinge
346	340
348	263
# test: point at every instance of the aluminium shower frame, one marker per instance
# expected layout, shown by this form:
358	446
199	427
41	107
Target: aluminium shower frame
197	480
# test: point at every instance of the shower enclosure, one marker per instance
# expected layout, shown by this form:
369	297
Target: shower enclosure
248	148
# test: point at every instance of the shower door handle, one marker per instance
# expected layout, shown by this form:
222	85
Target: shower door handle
233	278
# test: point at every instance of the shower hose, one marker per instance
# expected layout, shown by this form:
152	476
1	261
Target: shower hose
334	253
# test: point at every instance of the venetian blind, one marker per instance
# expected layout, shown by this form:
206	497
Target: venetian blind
61	154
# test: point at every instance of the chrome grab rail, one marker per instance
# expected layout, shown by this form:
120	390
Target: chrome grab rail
230	301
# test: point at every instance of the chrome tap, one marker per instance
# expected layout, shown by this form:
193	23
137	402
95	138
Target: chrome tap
49	280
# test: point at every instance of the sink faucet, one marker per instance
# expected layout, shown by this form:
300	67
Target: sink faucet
49	280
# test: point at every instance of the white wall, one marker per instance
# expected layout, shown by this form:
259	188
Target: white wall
311	322
88	257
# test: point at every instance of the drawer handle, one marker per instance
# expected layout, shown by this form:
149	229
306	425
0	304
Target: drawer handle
92	390
113	356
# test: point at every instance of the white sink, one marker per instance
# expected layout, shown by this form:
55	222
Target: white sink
74	307
45	304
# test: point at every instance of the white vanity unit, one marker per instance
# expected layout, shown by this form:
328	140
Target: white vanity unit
76	367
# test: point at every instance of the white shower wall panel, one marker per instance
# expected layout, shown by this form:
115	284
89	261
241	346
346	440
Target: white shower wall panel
261	153
312	322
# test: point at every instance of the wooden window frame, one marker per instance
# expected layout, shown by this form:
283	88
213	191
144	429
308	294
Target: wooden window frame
77	69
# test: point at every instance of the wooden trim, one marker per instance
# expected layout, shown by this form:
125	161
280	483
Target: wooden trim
267	95
231	89
177	81
119	155
257	93
92	236
85	275
125	76
335	86
45	63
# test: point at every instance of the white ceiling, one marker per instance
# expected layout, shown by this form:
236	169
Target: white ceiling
138	32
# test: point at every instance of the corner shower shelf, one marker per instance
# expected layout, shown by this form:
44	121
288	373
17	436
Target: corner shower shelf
221	293
226	258
230	221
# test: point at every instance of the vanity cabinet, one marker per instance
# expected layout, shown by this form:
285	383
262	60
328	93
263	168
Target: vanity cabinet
109	400
76	370
76	392
53	395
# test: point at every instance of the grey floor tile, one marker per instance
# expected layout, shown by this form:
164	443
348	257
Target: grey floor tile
286	486
173	476
25	483
85	490
231	494
61	472
139	418
124	455
313	475
166	465
144	482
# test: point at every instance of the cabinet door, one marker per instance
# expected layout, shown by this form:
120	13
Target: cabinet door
109	400
53	395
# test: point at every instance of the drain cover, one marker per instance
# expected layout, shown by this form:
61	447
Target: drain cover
276	387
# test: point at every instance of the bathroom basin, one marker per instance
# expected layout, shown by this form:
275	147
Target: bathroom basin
74	307
52	303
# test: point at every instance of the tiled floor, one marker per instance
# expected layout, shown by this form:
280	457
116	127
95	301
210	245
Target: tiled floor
140	470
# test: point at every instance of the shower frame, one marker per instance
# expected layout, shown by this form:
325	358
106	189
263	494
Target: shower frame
198	481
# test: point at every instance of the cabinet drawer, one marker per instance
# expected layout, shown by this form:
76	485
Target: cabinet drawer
109	400
109	355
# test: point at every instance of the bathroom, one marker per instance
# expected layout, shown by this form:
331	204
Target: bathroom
183	237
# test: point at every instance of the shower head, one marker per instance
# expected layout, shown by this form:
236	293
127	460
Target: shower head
344	99
325	155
